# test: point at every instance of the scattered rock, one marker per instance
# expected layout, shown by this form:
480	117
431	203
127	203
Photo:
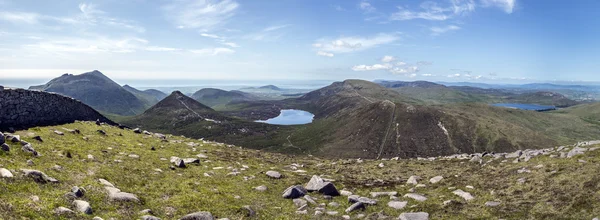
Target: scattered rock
102	132
492	203
90	157
329	189
116	195
294	192
28	148
397	204
63	211
39	176
249	212
261	188
514	154
378	194
345	193
576	151
476	159
137	131
178	162
38	138
414	216
149	217
333	204
198	216
134	156
331	212
77	192
83	206
191	160
416	196
105	183
58	132
355	206
314	183
273	174
299	202
413	180
365	200
5	147
5	173
436	179
30	163
465	195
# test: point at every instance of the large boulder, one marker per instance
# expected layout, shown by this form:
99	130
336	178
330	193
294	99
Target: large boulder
314	184
294	192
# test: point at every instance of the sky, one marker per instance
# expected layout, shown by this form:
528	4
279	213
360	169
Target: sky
447	40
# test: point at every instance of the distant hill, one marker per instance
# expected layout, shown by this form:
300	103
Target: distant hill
271	87
357	118
543	98
96	90
150	97
214	97
431	93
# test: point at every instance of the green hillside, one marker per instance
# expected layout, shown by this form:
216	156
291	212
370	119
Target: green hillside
544	187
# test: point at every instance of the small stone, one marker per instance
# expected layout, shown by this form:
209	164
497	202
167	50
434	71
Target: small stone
30	163
414	216
5	147
134	156
314	183
331	212
38	138
299	202
273	174
397	204
345	193
261	188
83	206
35	198
355	206
413	180
198	216
39	176
492	203
303	212
149	217
465	195
77	192
5	173
378	194
90	157
436	179
381	165
249	212
58	132
105	182
333	204
63	211
469	187
416	196
310	199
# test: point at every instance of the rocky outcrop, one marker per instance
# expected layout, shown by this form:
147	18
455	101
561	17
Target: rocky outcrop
21	109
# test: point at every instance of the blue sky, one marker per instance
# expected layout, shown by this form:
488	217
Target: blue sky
447	40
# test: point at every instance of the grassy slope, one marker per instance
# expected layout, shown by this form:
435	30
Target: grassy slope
587	112
563	188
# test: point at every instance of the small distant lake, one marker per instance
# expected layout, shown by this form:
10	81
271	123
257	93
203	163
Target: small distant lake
290	117
531	107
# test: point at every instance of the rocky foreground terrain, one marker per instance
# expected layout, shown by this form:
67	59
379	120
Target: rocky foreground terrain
85	170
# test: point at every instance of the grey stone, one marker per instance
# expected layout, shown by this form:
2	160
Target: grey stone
413	180
492	203
248	211
378	194
364	200
39	176
314	183
29	149
329	189
105	183
63	211
178	162
414	216
465	195
198	216
137	131
355	206
345	193
416	196
191	160
83	206
77	192
58	132
299	202
294	192
397	204
436	179
333	204
273	174
5	147
5	173
310	199
149	217
261	188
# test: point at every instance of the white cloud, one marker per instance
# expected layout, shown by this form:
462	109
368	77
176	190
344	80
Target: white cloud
454	75
90	10
400	63
205	14
405	70
213	51
372	67
339	8
325	54
366	7
85	45
427	74
352	44
387	59
270	33
506	5
214	36
20	17
231	44
161	49
440	30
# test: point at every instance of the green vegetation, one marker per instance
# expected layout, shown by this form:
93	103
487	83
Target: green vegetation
554	189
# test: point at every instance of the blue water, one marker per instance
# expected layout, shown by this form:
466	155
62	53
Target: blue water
531	107
290	117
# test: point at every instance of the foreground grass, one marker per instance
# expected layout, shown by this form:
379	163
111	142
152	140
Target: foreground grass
561	189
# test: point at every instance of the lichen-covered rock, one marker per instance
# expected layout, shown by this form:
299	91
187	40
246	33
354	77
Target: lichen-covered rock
5	173
39	176
294	192
83	206
198	216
